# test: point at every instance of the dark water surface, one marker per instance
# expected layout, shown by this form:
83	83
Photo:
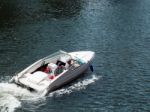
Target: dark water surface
117	30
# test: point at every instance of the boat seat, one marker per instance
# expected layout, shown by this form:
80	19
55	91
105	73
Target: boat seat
53	67
38	80
36	77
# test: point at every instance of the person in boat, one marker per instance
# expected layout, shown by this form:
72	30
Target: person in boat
60	67
46	69
63	63
70	62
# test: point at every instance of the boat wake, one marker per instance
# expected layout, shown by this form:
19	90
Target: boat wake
76	86
11	95
8	103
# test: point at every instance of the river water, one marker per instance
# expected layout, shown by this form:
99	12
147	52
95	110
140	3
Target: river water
117	30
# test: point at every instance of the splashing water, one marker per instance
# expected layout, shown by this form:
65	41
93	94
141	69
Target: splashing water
8	103
76	87
11	94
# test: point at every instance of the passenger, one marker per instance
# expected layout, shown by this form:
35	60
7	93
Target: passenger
47	70
59	69
70	62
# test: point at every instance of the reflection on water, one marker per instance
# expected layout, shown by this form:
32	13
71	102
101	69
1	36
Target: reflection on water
62	8
7	12
22	23
16	12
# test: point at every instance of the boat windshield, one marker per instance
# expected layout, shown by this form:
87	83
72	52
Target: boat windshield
57	54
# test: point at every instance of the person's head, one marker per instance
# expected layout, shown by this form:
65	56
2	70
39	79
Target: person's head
69	61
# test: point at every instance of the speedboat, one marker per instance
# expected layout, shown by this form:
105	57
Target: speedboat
54	71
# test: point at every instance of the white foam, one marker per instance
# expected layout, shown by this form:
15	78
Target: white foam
11	95
14	90
8	103
76	87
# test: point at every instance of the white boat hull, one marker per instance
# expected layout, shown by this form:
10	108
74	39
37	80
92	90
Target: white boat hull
30	80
